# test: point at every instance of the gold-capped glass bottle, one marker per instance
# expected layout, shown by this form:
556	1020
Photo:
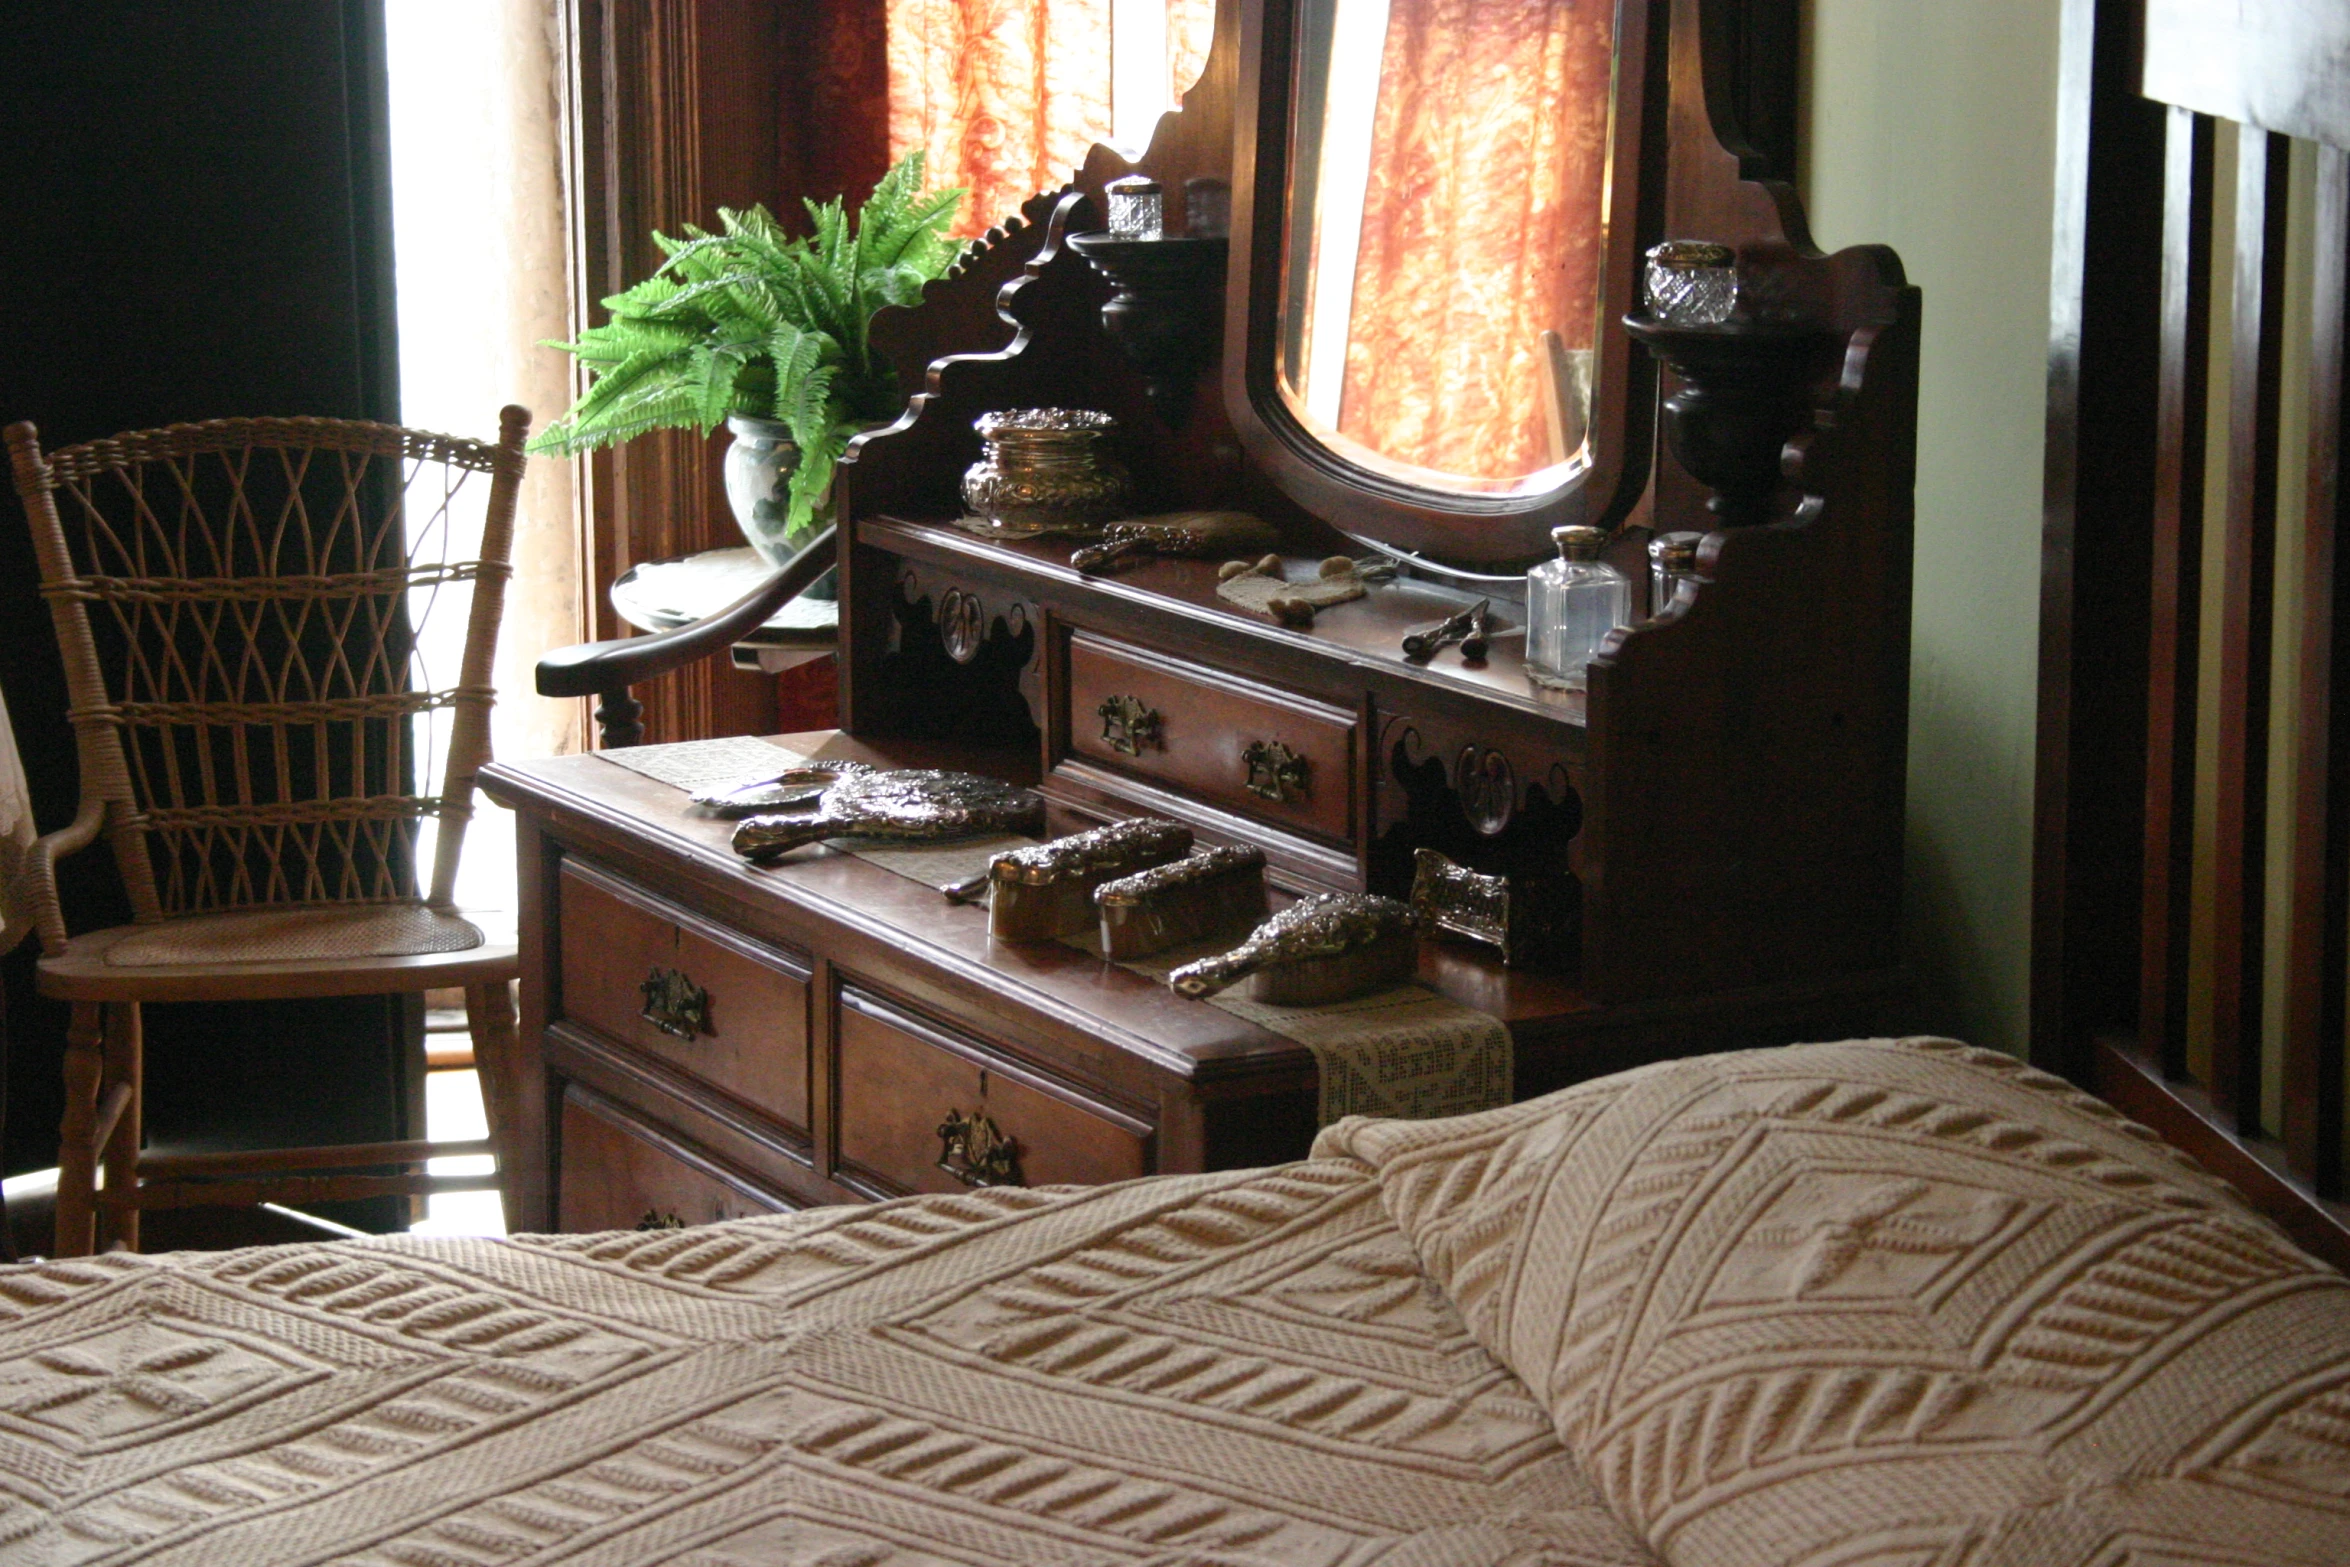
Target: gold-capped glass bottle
1572	603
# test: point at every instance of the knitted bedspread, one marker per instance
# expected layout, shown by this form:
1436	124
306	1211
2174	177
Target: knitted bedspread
1872	1304
1213	1371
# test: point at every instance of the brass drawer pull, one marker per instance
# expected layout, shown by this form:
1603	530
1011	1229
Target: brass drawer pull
1128	725
1275	772
974	1150
674	1004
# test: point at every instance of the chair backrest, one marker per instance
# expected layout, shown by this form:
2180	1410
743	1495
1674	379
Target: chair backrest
254	613
16	836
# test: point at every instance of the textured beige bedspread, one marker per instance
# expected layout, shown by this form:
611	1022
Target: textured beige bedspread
1219	1371
1893	1303
1873	1304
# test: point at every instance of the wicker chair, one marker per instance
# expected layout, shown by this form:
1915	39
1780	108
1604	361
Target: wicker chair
247	613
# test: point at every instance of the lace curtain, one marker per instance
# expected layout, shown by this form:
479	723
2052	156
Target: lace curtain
480	247
1006	96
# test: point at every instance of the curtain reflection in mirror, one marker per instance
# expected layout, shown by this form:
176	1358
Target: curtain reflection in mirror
1006	97
1446	222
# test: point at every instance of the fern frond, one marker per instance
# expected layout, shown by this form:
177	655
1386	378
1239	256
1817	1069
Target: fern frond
753	320
811	480
920	222
615	340
645	393
755	224
829	298
642	298
798	352
710	376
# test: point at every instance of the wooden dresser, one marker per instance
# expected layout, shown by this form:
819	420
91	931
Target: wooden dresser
1717	821
851	1010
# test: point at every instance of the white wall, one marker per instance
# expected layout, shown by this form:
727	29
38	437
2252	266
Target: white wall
1929	126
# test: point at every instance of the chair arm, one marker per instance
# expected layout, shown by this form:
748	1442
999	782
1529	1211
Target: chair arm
36	877
608	669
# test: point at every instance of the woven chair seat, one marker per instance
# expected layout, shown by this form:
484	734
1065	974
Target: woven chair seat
288	934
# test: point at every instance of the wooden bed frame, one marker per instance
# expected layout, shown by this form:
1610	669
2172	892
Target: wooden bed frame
2162	297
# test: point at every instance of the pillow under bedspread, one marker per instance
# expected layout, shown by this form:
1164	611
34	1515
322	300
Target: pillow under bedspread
1211	1371
1890	1302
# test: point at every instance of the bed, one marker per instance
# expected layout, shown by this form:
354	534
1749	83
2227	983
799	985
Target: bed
1875	1302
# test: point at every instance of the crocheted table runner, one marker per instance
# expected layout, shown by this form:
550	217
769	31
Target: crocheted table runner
698	764
1406	1052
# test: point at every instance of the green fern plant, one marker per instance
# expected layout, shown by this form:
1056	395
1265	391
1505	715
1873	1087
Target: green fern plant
753	321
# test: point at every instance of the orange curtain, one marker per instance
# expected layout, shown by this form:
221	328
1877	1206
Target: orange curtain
1005	97
1488	155
1191	28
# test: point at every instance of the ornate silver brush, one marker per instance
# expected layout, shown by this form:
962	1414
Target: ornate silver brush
912	806
1192	533
1209	894
1327	947
787	790
1046	890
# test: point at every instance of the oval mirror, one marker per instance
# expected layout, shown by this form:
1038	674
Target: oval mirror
1446	223
1433	193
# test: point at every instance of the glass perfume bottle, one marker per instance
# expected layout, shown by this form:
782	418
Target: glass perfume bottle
1672	560
1572	603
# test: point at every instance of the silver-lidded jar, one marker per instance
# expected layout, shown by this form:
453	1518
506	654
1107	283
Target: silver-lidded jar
1044	472
1692	282
1672	560
1138	207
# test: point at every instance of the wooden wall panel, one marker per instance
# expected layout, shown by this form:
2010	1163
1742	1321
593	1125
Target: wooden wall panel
675	110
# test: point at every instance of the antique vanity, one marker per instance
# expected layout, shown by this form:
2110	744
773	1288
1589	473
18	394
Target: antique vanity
1719	817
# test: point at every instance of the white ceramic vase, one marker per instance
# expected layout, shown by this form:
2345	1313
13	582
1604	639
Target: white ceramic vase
758	467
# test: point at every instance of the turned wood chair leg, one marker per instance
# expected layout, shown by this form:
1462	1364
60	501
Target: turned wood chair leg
489	1013
125	1066
77	1150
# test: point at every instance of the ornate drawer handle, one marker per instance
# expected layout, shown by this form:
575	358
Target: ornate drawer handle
674	1004
654	1219
1275	772
1128	725
974	1150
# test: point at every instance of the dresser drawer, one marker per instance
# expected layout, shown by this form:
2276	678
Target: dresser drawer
1285	758
902	1077
736	1012
620	1173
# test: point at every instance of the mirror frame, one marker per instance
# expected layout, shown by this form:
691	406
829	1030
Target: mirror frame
1495	533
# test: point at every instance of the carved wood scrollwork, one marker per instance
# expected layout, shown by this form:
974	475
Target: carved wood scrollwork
1493	806
962	624
1488	788
941	628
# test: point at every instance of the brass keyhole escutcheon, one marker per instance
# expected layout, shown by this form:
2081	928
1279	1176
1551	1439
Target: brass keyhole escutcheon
1128	724
674	1004
1275	772
975	1151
